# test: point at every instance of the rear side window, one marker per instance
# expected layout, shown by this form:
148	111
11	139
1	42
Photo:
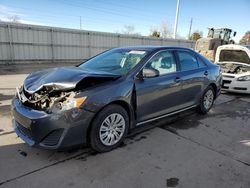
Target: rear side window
201	63
187	61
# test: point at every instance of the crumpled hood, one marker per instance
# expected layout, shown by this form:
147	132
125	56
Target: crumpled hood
63	78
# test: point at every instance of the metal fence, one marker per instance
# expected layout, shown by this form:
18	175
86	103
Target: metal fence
30	43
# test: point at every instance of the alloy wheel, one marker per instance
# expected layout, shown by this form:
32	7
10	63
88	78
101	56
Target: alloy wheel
208	99
112	129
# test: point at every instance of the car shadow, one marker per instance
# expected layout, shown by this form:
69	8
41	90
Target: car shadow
238	95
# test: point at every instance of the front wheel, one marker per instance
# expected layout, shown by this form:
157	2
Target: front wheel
109	128
207	100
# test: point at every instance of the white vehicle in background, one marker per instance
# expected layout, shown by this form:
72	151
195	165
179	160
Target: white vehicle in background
234	61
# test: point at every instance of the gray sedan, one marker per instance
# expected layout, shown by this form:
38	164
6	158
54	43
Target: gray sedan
103	99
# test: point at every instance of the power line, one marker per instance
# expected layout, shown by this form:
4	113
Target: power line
108	11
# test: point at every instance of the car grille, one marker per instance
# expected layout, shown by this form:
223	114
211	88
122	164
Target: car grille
226	76
26	132
52	138
240	88
225	82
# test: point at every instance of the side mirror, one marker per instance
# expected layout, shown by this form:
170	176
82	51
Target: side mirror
150	73
234	33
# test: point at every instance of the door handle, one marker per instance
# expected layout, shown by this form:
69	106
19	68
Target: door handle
206	73
177	79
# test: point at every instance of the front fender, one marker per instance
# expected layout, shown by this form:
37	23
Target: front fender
101	96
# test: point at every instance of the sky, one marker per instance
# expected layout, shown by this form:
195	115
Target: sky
112	15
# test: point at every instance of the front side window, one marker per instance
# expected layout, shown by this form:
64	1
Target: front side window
117	61
163	62
187	61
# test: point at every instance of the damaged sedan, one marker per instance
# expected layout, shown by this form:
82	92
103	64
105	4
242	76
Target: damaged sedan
235	65
99	102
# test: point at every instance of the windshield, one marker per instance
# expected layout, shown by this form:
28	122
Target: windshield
248	47
234	56
116	61
218	34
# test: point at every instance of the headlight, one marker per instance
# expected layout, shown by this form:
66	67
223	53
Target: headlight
244	78
73	103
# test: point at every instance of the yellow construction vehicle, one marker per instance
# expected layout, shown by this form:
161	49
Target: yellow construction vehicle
216	37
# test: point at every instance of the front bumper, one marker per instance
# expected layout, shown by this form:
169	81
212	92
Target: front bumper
50	131
231	84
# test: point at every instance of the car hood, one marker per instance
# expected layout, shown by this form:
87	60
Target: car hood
232	62
63	78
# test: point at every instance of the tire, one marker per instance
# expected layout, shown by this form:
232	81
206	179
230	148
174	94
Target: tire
208	96
112	122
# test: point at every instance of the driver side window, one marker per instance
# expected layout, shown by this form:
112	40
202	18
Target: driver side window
163	62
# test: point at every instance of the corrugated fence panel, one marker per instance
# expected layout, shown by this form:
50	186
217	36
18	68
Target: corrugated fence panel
103	41
4	34
5	52
130	41
151	41
30	43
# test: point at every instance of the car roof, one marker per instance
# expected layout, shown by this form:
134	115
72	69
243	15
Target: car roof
151	48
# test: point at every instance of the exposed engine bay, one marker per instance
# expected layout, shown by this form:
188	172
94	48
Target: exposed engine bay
55	90
234	68
48	101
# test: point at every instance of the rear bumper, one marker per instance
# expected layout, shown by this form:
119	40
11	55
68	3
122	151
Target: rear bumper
50	131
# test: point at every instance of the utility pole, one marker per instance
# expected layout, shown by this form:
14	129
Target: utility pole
176	18
80	22
190	28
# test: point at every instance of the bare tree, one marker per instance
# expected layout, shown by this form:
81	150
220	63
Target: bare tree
14	18
166	30
129	30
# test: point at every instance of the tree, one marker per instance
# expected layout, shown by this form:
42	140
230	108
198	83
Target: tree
129	30
156	34
14	18
245	40
196	35
166	30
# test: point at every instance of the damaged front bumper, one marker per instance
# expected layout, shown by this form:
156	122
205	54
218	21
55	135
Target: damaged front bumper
51	131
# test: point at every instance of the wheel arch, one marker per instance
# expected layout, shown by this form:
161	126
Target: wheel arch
213	85
125	105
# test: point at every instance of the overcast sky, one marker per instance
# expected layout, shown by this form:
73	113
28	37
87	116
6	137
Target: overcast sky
112	15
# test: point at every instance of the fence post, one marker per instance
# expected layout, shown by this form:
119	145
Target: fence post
89	45
52	45
10	44
118	40
179	43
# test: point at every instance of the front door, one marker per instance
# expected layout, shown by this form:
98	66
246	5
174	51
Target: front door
159	95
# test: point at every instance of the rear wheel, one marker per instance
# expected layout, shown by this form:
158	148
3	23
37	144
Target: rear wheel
109	128
207	100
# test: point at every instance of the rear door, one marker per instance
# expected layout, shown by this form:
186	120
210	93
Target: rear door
157	96
194	77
